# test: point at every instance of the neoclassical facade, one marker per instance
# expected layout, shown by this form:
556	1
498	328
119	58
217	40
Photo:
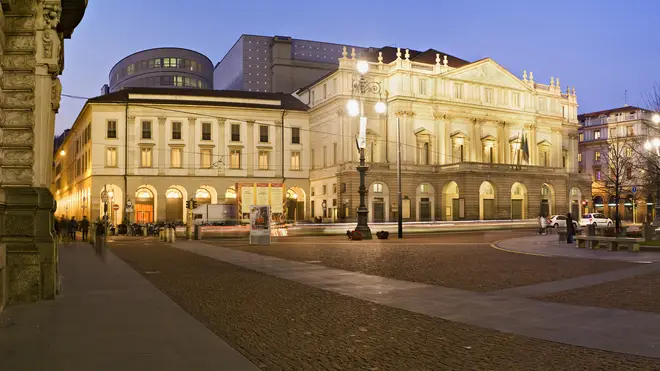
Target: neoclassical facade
462	126
32	43
158	147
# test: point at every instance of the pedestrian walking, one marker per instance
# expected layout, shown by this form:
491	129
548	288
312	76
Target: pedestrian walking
84	228
73	227
64	229
542	225
56	228
570	228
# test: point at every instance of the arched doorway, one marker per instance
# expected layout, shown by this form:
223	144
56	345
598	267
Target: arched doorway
451	202
599	206
202	196
425	202
487	209
295	204
144	205
518	201
173	205
547	200
115	200
379	198
575	198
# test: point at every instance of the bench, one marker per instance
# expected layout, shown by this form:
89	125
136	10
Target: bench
612	243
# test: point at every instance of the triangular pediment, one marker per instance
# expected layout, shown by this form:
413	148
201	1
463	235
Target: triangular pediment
487	71
544	143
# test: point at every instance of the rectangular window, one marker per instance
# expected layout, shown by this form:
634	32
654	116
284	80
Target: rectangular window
630	131
263	133
596	134
325	156
146	129
295	160
311	190
543	106
176	156
597	156
263	160
112	129
235	132
235	159
581	137
516	100
312	205
504	97
334	188
295	135
488	95
313	160
629	152
580	157
111	156
458	90
325	189
613	133
422	86
206	131
205	158
335	154
145	157
176	130
325	91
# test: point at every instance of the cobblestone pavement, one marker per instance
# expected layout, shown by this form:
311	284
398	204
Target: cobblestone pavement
464	261
282	325
633	293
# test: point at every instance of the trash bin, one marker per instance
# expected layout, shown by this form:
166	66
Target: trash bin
591	230
198	232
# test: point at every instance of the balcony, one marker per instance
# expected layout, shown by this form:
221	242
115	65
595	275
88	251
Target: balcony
457	167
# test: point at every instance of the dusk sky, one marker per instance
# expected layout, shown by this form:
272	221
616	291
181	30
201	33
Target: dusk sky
601	47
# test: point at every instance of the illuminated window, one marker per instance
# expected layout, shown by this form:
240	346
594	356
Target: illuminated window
377	188
111	157
202	193
581	137
230	192
597	156
263	160
295	160
235	159
173	193
205	158
596	134
143	193
424	188
145	157
580	157
176	157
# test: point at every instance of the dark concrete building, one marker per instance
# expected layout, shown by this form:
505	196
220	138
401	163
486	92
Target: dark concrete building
276	63
162	67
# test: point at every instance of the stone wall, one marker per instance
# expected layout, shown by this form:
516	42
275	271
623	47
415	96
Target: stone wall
31	59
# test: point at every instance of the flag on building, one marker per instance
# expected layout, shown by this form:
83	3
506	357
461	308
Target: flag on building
525	148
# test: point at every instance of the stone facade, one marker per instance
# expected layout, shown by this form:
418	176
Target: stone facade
461	130
31	40
627	126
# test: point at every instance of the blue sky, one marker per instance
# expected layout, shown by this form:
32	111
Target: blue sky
601	47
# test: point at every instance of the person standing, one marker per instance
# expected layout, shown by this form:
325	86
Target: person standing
73	227
64	228
84	227
570	228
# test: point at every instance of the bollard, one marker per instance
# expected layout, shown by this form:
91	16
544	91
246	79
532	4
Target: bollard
145	231
173	235
161	234
168	235
198	232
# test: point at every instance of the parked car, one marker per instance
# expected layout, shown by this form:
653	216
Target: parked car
597	219
559	221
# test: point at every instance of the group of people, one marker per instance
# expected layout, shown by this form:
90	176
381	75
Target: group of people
570	227
66	228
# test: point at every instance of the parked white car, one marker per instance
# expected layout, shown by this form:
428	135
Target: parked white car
559	221
596	219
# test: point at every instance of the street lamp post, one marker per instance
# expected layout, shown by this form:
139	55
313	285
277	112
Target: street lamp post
361	87
650	145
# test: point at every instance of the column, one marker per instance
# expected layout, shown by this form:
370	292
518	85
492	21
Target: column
132	155
160	151
31	60
533	148
191	150
475	141
249	151
449	149
221	150
503	155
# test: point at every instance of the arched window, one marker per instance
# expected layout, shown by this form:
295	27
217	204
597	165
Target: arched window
230	193
202	193
143	193
377	188
173	193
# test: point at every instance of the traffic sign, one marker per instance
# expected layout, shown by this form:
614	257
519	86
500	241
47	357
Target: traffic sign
104	196
115	207
634	189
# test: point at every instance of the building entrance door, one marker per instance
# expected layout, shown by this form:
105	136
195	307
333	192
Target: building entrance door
575	210
516	209
545	208
455	209
424	210
489	209
378	208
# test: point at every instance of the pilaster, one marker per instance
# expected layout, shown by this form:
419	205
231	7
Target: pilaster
160	151
192	149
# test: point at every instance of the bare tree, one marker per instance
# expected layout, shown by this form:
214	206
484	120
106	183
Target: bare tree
617	174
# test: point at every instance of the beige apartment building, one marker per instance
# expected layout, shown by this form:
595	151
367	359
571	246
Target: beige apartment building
462	126
627	125
152	149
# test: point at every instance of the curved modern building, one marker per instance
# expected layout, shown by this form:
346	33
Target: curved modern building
163	67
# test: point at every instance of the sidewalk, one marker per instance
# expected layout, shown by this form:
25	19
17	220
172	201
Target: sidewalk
614	330
108	317
549	245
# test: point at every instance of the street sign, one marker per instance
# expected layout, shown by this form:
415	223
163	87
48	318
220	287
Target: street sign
104	196
115	207
129	203
634	189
